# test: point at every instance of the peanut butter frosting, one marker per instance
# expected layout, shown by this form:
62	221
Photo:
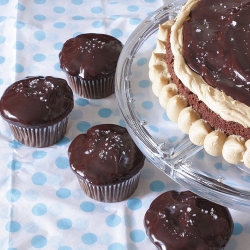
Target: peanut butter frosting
234	148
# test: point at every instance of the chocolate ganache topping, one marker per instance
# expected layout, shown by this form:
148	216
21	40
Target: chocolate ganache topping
105	155
180	221
90	55
217	45
37	101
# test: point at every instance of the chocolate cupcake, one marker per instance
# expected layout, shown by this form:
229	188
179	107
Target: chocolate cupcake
89	61
36	109
106	162
180	221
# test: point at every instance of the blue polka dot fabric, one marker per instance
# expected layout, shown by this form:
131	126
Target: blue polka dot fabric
42	205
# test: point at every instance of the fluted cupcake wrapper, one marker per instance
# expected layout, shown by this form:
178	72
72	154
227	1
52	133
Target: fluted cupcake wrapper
110	193
40	137
92	89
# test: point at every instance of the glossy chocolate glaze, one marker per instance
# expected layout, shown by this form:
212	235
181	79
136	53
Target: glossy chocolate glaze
90	55
37	101
106	154
181	221
217	45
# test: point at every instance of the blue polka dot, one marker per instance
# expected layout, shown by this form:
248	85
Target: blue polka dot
165	117
105	112
116	33
173	139
147	105
15	144
39	178
116	246
59	25
18	45
142	61
2	59
83	126
63	193
77	2
200	155
89	238
96	10
65	140
39	241
134	203
113	220
1	81
87	206
77	17
82	102
39	17
19	24
39	154
4	2
134	21
122	123
62	162
149	1
13	195
221	166
59	9
76	34
64	224
156	186
144	83
114	17
246	178
39	209
137	235
20	7
2	18
154	128
39	57
2	39
39	35
238	228
40	1
97	24
57	67
13	226
133	8
65	248
14	165
58	46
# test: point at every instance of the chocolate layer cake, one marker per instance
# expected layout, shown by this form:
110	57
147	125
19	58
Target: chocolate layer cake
180	221
106	162
200	72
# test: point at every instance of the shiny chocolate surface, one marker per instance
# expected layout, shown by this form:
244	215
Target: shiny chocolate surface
90	55
106	154
181	221
217	45
36	101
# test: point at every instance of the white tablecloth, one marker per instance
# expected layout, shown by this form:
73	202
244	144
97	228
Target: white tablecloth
41	203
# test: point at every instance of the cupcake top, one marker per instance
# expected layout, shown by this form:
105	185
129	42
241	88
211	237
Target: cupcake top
186	221
36	101
105	155
90	55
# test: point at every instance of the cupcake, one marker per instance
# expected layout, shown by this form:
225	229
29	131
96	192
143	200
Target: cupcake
36	109
180	221
89	61
106	162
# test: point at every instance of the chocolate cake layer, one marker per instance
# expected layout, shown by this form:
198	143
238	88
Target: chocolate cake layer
216	122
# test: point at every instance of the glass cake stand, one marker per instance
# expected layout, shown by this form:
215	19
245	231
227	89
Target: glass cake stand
159	139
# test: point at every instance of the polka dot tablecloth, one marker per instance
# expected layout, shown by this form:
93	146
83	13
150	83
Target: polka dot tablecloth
41	203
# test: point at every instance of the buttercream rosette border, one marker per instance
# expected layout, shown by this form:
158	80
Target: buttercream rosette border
233	148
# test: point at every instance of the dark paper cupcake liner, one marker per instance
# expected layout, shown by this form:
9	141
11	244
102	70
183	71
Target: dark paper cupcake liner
40	137
110	193
92	89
